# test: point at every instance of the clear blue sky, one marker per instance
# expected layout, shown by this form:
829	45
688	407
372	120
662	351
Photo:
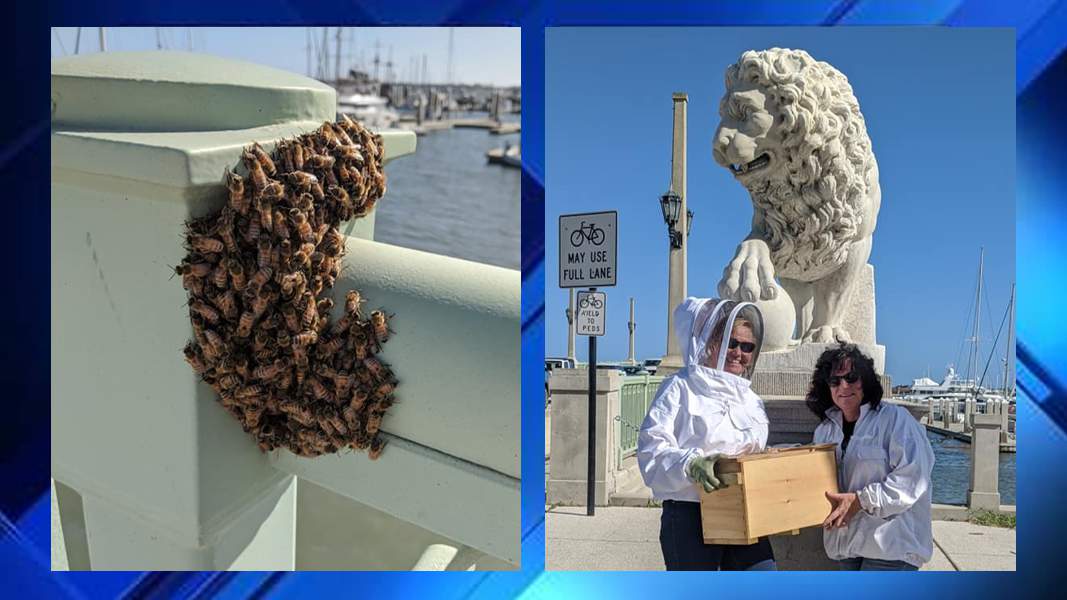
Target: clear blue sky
940	109
487	55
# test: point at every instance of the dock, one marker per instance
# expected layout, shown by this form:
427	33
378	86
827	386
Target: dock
495	127
955	431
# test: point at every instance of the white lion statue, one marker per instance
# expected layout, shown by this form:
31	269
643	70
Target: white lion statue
793	135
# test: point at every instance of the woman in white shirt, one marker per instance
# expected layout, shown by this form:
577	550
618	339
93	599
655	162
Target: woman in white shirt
703	412
881	519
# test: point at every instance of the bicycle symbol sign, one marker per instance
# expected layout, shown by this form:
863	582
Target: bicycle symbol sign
587	249
591	311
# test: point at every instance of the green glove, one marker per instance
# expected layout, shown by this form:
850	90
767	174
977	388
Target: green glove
702	472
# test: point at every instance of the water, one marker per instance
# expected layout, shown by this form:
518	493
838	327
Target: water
447	199
952	471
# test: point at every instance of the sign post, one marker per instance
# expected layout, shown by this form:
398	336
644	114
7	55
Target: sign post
587	258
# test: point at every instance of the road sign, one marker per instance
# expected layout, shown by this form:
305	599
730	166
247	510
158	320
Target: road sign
592	306
587	249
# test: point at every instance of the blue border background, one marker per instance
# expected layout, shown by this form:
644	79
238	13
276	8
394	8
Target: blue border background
1041	76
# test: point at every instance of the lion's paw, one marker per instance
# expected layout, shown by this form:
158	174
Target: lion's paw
827	335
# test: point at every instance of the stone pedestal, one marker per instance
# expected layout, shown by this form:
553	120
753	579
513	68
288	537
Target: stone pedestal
985	450
570	442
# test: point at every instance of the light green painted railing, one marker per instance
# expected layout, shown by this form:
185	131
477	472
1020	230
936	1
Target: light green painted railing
634	399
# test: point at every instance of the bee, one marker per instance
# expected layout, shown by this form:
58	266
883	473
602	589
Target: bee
310	312
316	191
260	304
208	313
280	228
343	383
194	269
291	320
230	381
350	416
261	277
253	414
353	301
204	244
360	345
219	276
302	180
273	192
237	274
213	340
338	423
282	339
240	366
268	372
225	230
379	326
350	154
305	339
266	215
330	347
194	360
385	388
316	284
296	156
374	422
317	389
244	325
376	368
255	170
324	423
236	185
227	303
300	223
264	256
376	447
264	159
293	285
359	398
320	161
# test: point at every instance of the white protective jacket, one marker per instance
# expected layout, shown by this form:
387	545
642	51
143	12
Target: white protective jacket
888	463
700	411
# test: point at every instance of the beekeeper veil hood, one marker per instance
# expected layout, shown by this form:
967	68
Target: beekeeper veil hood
705	326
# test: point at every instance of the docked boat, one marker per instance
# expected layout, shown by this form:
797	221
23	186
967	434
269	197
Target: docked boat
507	155
373	111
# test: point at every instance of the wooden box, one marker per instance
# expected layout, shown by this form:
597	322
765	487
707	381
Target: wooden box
780	490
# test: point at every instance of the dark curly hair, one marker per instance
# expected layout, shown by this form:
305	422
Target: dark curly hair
819	399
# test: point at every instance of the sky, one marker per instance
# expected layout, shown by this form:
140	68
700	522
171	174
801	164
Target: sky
940	110
487	55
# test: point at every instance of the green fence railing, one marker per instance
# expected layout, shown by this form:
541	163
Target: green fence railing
634	399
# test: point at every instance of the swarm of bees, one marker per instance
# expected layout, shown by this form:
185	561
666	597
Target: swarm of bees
256	273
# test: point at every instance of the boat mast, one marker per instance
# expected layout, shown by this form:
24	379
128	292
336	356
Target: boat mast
1008	362
977	321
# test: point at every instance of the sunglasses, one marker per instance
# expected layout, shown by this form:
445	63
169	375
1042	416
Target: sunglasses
746	347
850	377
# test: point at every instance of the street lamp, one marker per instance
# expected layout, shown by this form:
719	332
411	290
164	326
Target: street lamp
671	204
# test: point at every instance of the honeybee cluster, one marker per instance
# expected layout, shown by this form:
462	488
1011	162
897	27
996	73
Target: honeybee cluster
256	272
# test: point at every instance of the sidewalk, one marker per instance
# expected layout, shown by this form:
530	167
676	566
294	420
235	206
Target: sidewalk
623	538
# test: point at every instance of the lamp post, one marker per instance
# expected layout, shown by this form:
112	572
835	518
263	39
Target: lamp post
678	219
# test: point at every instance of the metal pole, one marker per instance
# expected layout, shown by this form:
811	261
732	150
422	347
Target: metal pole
591	483
631	325
570	327
103	43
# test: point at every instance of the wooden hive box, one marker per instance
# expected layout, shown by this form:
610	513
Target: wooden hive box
781	490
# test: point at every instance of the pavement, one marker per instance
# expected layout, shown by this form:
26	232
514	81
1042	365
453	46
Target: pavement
626	538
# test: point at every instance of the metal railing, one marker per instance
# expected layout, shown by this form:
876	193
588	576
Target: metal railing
635	396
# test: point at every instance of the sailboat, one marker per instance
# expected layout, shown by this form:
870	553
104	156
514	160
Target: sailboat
953	387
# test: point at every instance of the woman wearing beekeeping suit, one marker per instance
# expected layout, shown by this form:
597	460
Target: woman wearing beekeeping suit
705	411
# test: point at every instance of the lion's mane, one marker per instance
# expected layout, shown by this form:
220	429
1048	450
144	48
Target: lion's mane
812	214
